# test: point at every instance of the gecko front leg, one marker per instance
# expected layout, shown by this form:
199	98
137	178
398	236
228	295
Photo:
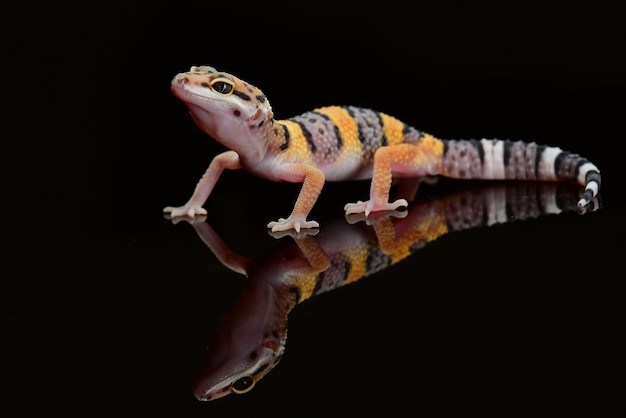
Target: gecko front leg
226	160
312	182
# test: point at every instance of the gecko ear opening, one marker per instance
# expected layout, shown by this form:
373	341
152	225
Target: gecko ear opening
243	385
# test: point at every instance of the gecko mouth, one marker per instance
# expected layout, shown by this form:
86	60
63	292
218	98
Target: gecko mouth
192	100
180	91
200	115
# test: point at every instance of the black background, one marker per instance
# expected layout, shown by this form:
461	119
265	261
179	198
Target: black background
107	304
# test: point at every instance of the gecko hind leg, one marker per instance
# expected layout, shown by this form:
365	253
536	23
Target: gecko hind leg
407	160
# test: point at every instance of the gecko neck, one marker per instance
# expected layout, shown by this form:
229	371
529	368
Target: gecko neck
268	138
263	138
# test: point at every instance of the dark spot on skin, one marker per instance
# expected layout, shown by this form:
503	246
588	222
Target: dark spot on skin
274	334
338	136
296	292
242	96
205	84
381	123
506	155
318	283
308	137
261	98
347	269
253	355
261	123
538	154
285	145
336	128
479	148
236	112
312	120
350	111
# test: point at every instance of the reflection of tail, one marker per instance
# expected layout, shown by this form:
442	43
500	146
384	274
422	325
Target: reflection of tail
510	202
491	204
497	159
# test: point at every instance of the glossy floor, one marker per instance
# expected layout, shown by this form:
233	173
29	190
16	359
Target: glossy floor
108	306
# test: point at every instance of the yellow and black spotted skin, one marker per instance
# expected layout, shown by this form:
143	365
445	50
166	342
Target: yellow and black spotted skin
342	140
340	143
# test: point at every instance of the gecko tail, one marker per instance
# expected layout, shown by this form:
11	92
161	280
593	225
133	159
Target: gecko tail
592	184
497	159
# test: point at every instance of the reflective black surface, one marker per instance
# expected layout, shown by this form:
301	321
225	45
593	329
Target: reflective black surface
107	305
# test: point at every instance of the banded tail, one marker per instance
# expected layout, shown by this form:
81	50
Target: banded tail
496	159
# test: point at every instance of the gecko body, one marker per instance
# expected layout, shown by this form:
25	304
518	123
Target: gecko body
339	143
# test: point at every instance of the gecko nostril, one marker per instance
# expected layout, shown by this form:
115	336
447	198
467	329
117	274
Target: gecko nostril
183	80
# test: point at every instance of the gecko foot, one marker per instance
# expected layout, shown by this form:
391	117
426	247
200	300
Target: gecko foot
187	210
354	218
292	222
368	206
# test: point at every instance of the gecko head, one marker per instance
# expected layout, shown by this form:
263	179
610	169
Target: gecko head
236	368
224	106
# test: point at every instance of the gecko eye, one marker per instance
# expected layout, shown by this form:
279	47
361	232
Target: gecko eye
223	86
242	385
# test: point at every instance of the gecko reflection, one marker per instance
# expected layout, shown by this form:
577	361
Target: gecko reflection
250	340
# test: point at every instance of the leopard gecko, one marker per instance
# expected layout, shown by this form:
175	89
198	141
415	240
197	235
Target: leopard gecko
338	143
250	339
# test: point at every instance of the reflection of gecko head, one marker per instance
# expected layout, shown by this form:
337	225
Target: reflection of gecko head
250	339
244	348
